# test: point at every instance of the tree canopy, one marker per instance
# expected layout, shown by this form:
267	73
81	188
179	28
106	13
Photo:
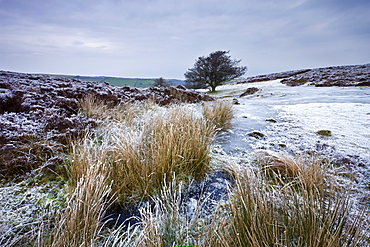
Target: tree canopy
160	82
214	70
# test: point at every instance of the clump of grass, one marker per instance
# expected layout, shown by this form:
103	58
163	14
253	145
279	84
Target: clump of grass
180	141
83	156
164	223
219	114
156	143
168	141
92	107
279	163
97	109
286	201
130	160
80	223
265	214
259	212
309	171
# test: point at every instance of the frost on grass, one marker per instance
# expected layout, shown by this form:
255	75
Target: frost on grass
26	207
18	124
45	109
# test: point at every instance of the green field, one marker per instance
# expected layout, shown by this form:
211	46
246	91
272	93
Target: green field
120	81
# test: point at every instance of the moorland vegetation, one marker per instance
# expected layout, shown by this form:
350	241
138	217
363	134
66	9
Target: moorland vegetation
146	155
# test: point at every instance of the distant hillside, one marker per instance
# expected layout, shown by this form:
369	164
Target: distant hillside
120	81
349	75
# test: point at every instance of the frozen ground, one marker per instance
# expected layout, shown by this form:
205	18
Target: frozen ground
299	112
289	118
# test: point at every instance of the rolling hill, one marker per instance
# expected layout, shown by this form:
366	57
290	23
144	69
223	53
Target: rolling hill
121	81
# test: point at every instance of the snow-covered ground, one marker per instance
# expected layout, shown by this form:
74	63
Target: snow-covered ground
294	116
289	118
300	111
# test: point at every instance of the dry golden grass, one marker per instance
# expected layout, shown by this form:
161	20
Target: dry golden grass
153	143
258	213
80	223
181	140
265	214
146	151
287	201
92	107
308	171
124	112
219	113
129	159
168	141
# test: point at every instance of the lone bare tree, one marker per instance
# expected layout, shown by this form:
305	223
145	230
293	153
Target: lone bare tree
214	70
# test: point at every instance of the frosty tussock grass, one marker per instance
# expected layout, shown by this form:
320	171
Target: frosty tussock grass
146	152
136	151
143	148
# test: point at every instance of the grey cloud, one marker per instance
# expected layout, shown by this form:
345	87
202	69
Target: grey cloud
152	38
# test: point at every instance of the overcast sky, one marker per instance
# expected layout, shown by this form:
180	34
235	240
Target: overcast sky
163	38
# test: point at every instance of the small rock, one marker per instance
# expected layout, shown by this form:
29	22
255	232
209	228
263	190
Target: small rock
249	91
256	134
271	120
236	102
324	132
282	145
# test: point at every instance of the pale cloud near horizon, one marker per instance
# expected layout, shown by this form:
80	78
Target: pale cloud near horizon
153	38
